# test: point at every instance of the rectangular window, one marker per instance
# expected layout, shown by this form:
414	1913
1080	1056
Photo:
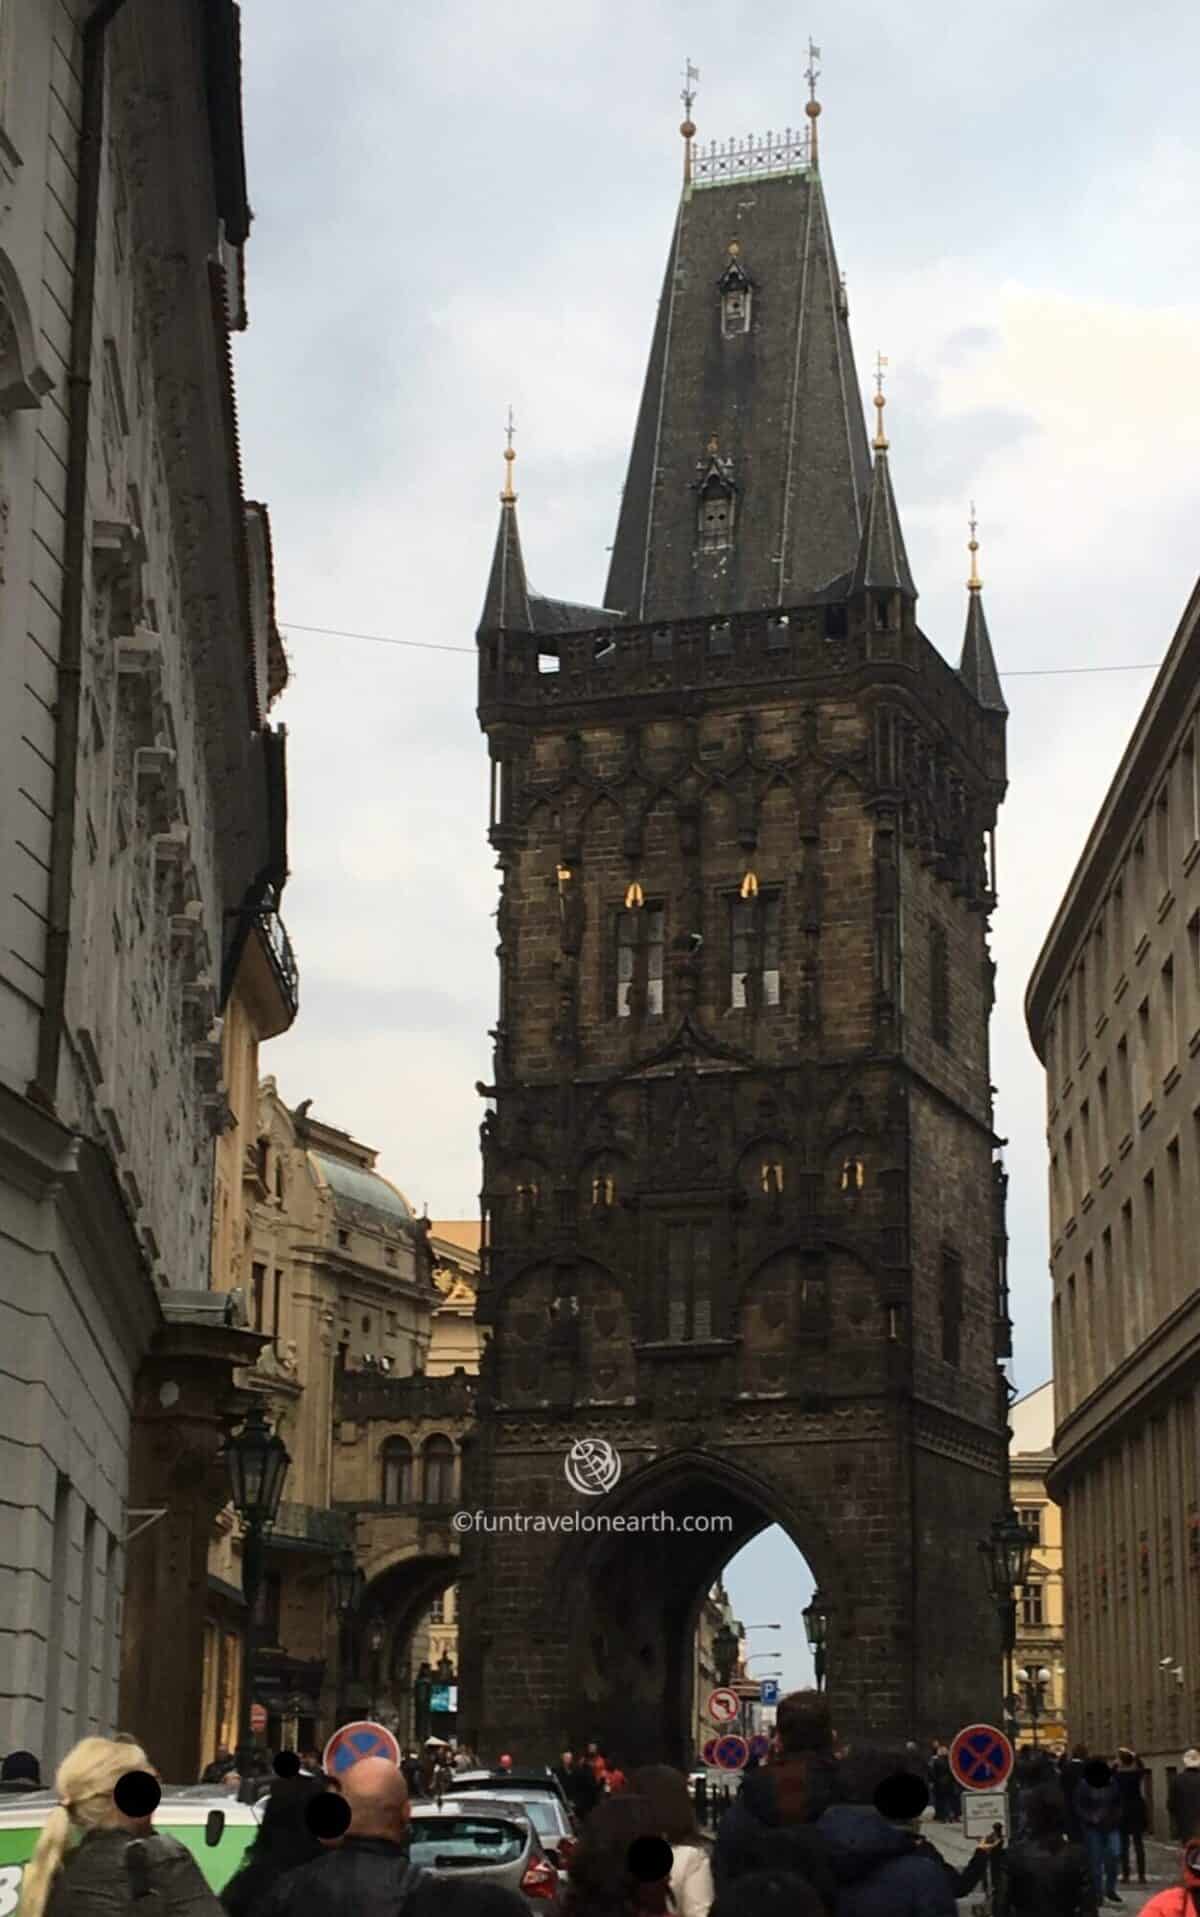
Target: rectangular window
1125	1087
1088	1355
1099	968
1175	1222
1141	890
1170	1037
1085	1149
1103	1144
1081	1006
1064	1010
952	1306
1145	1080
1193	991
1030	1516
1191	792
1162	835
437	1611
258	1295
1150	1210
1033	1611
939	985
1109	1340
754	951
689	1283
640	935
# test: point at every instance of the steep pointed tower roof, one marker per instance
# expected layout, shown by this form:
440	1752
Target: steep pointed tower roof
506	602
977	667
751	350
882	561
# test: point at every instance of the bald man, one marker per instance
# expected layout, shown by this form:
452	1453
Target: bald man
369	1874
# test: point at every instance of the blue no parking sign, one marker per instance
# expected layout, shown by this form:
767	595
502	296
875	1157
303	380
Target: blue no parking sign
981	1757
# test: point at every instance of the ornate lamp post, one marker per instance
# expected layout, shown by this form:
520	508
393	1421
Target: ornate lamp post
1007	1552
725	1653
376	1631
816	1629
1035	1682
422	1698
348	1581
257	1461
445	1669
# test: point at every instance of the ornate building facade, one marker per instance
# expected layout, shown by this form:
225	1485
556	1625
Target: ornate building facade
357	1313
1040	1603
141	833
743	1216
1113	1008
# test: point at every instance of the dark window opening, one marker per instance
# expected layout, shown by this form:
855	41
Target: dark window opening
661	646
754	951
716	515
640	948
779	633
835	622
689	1283
952	1306
720	639
438	1471
939	984
258	1295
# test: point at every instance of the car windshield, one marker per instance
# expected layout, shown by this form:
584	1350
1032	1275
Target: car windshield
544	1815
449	1843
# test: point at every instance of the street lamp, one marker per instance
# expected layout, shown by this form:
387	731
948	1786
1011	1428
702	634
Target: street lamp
725	1653
445	1669
422	1698
375	1635
1035	1683
816	1629
1007	1552
348	1582
256	1460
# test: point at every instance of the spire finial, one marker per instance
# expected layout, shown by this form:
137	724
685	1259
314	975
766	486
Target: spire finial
974	582
508	496
880	402
812	74
687	126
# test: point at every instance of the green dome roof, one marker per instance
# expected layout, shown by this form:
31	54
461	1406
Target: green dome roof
356	1186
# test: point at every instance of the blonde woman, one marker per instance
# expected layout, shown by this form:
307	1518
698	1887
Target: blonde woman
89	1861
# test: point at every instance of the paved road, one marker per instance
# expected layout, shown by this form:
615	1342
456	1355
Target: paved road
1162	1866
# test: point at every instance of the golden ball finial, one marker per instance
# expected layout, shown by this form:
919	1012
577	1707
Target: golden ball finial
688	129
735	247
813	109
509	454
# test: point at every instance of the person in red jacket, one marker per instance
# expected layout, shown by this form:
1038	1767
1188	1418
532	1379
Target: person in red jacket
1182	1899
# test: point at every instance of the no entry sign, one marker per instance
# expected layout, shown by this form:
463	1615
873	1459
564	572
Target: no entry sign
731	1753
723	1706
353	1741
981	1757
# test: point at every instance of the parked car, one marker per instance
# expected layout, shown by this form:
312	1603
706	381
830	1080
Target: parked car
552	1818
485	1841
207	1819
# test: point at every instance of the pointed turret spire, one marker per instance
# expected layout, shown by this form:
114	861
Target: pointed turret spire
506	602
977	667
882	561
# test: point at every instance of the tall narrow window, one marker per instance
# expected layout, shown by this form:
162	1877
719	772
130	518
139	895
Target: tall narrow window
1108	1348
736	291
1145	1078
952	1305
1162	838
258	1295
754	951
716	514
53	1738
1150	1284
1124	1089
939	984
1033	1611
437	1479
437	1610
1103	1140
1170	1037
1191	792
87	1616
689	1283
640	962
1081	1006
397	1461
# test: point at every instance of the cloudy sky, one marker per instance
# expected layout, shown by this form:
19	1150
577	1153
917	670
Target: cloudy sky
462	206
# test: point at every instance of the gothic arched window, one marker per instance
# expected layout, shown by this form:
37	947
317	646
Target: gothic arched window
735	289
437	1479
716	515
397	1459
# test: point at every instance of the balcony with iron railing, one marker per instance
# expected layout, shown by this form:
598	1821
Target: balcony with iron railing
281	956
311	1527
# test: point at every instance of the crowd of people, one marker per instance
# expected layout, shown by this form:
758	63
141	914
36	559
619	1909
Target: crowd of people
818	1830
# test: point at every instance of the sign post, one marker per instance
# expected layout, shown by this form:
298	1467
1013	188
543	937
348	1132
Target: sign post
723	1706
362	1739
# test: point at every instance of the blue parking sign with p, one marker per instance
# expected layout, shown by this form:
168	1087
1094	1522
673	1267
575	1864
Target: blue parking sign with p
768	1691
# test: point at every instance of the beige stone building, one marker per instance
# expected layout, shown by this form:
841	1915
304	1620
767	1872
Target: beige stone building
1039	1644
366	1316
1113	1009
141	830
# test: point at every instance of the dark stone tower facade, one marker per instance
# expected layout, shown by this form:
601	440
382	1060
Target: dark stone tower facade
743	1216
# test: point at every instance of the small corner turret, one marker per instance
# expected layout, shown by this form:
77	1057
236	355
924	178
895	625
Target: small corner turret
977	666
882	594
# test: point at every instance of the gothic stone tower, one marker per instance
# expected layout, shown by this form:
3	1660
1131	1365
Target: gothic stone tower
743	1217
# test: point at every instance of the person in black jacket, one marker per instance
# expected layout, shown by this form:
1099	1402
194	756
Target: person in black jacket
1098	1808
370	1873
770	1826
1128	1775
1044	1875
282	1842
1071	1777
1183	1798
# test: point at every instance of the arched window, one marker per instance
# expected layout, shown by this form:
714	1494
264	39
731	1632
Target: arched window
853	1175
397	1458
438	1471
771	1177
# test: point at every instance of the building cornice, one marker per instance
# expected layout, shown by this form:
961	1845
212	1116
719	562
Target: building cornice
1131	791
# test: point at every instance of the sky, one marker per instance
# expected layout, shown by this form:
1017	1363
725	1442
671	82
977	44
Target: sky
462	207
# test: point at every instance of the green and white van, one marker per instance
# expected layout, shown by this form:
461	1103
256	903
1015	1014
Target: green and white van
209	1821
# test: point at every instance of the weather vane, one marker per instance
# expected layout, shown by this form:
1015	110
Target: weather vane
812	75
509	457
974	582
688	127
880	402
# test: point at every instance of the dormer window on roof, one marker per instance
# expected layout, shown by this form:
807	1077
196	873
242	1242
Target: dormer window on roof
717	501
735	288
